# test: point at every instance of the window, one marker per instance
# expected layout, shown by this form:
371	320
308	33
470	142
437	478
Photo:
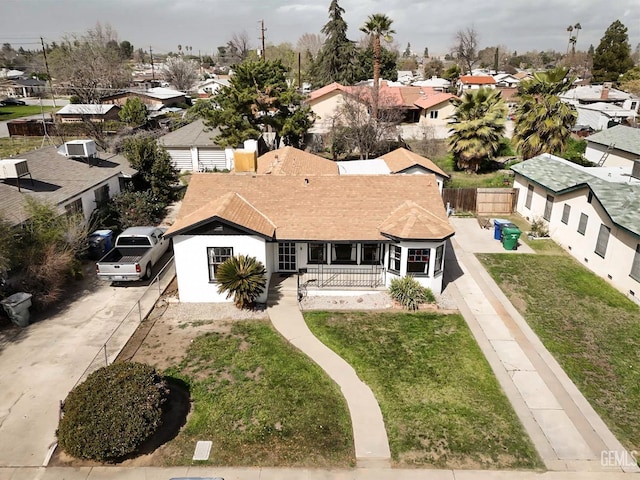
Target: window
547	208
433	114
217	256
101	195
371	253
343	253
418	261
635	266
395	253
317	253
582	225
73	207
603	240
527	203
565	213
439	258
590	197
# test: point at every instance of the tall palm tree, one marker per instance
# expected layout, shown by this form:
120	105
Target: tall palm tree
570	30
577	27
243	277
550	82
377	25
477	127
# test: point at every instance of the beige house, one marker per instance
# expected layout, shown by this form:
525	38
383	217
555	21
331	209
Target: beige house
340	234
78	112
592	212
154	98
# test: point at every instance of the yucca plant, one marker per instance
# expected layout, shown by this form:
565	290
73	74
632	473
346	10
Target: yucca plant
243	277
409	293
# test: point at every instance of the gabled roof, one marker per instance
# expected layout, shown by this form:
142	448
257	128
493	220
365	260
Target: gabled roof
619	196
195	134
57	179
622	137
401	159
320	92
432	98
609	109
317	208
593	93
477	80
86	109
292	161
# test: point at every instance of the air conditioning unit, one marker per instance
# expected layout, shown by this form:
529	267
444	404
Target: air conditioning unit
80	149
13	168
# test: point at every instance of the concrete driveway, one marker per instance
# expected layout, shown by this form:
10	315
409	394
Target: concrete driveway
40	364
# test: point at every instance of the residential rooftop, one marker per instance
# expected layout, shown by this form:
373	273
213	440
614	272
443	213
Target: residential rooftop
622	137
293	161
195	134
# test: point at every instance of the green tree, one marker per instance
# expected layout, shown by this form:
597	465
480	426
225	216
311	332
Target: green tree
377	26
134	112
543	121
335	60
156	173
126	49
612	58
477	128
388	64
243	277
258	96
433	68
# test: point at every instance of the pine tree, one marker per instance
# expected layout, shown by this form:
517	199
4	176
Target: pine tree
612	58
336	60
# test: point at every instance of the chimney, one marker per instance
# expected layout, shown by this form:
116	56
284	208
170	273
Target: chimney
605	91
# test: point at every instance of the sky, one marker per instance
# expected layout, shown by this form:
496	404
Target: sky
520	25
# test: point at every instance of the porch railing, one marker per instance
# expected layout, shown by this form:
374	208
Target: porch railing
324	276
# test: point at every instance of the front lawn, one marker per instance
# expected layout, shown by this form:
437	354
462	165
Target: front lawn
10	146
441	404
18	111
261	402
591	328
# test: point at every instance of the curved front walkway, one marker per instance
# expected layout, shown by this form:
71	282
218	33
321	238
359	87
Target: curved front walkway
369	433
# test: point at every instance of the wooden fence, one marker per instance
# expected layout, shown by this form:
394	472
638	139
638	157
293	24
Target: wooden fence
482	201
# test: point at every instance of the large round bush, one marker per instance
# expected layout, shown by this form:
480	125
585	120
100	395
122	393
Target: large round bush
112	412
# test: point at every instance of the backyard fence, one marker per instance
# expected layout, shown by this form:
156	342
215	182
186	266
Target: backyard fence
112	346
482	201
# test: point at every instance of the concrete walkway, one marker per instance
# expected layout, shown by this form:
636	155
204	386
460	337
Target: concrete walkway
567	432
369	433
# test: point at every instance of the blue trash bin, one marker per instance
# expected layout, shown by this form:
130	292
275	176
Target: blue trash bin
497	224
100	242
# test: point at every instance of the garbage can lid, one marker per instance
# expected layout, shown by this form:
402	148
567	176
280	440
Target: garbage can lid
102	233
500	221
16	298
510	228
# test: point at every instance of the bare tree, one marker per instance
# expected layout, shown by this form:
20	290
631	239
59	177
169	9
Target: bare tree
180	73
310	42
466	48
91	64
240	44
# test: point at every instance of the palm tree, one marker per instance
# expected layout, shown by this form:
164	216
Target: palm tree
243	277
550	82
577	27
570	30
477	127
377	25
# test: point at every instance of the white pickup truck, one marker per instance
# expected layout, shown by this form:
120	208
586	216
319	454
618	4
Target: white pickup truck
136	251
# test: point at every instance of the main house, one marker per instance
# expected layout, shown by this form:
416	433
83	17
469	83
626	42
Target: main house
351	233
593	212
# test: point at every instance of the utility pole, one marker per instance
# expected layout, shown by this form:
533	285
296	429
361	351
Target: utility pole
300	71
262	30
153	71
46	66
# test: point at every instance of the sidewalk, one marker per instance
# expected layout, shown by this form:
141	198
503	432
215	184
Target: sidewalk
567	432
369	433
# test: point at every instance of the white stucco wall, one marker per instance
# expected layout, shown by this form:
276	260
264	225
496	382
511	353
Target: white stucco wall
88	197
432	280
616	158
192	268
615	267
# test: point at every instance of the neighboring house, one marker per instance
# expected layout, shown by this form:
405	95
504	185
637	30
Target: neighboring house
506	80
78	112
192	148
292	161
419	107
616	146
347	234
24	87
71	184
474	82
601	115
210	86
155	98
588	94
437	84
591	211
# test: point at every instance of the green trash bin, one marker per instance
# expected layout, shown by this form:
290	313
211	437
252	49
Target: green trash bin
510	236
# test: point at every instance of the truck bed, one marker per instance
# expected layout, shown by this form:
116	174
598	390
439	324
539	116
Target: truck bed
124	255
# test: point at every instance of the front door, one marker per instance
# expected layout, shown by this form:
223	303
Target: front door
287	257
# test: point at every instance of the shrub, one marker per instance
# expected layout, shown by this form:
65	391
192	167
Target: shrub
539	228
409	293
111	413
243	277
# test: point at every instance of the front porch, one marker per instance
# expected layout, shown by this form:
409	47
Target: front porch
330	277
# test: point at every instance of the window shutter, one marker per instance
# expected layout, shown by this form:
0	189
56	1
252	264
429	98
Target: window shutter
635	267
603	240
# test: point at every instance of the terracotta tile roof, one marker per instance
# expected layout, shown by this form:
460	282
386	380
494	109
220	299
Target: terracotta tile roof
292	161
431	98
508	93
477	80
401	159
321	208
326	89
